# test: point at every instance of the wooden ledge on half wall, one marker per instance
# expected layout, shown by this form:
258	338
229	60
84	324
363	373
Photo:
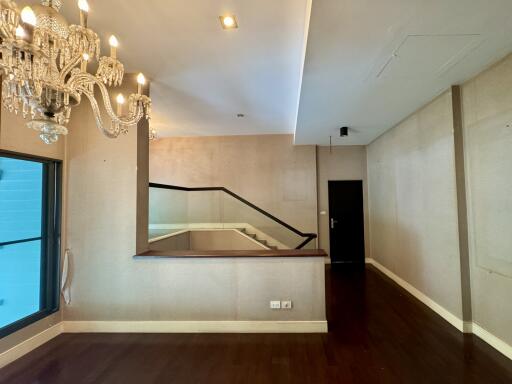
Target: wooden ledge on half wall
232	254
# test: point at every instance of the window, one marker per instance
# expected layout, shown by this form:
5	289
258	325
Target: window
29	240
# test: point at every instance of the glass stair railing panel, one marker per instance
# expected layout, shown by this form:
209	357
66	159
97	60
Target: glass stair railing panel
205	209
168	211
174	209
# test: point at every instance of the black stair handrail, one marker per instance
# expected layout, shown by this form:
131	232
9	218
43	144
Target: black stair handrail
307	236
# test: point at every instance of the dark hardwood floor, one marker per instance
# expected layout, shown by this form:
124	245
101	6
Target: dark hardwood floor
378	334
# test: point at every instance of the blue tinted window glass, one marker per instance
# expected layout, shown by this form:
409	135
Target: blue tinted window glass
20	280
21	207
21	193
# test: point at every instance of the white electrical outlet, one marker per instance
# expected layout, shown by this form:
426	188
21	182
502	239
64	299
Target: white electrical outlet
286	304
275	305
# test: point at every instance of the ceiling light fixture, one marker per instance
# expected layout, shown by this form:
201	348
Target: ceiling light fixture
228	22
44	60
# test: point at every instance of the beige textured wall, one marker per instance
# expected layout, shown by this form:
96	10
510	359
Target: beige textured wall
413	204
108	284
16	137
102	185
202	290
487	103
267	170
342	163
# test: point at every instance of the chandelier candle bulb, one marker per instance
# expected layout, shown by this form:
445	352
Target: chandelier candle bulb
153	134
120	101
85	60
114	43
141	80
28	23
28	16
20	32
83	5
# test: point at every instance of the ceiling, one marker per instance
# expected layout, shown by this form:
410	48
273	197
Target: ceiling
368	63
203	76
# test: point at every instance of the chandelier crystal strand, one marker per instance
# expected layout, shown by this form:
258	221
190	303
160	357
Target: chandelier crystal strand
153	134
44	62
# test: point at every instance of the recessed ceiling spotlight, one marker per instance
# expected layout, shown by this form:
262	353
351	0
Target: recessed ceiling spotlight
228	22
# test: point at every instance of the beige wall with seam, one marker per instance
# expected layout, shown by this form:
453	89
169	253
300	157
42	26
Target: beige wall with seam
413	203
487	107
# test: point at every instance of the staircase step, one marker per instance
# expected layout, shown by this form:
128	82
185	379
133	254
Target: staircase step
255	237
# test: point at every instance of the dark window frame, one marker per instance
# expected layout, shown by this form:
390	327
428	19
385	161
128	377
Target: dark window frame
50	241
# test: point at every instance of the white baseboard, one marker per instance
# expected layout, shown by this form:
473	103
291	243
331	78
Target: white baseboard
195	326
440	310
467	327
29	345
463	326
493	341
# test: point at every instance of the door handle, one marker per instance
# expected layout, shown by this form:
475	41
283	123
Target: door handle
333	222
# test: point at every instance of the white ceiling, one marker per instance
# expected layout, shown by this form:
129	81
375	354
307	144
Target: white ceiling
371	63
203	76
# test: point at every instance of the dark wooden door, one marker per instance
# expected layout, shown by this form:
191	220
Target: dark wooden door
346	221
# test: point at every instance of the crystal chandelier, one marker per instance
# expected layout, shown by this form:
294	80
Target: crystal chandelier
44	62
153	134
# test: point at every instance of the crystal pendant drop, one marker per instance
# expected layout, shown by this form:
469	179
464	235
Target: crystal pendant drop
49	130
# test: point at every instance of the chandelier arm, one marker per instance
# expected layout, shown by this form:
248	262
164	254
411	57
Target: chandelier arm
69	67
111	133
84	80
80	80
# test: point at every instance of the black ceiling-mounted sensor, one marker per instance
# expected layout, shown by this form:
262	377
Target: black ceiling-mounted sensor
344	132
